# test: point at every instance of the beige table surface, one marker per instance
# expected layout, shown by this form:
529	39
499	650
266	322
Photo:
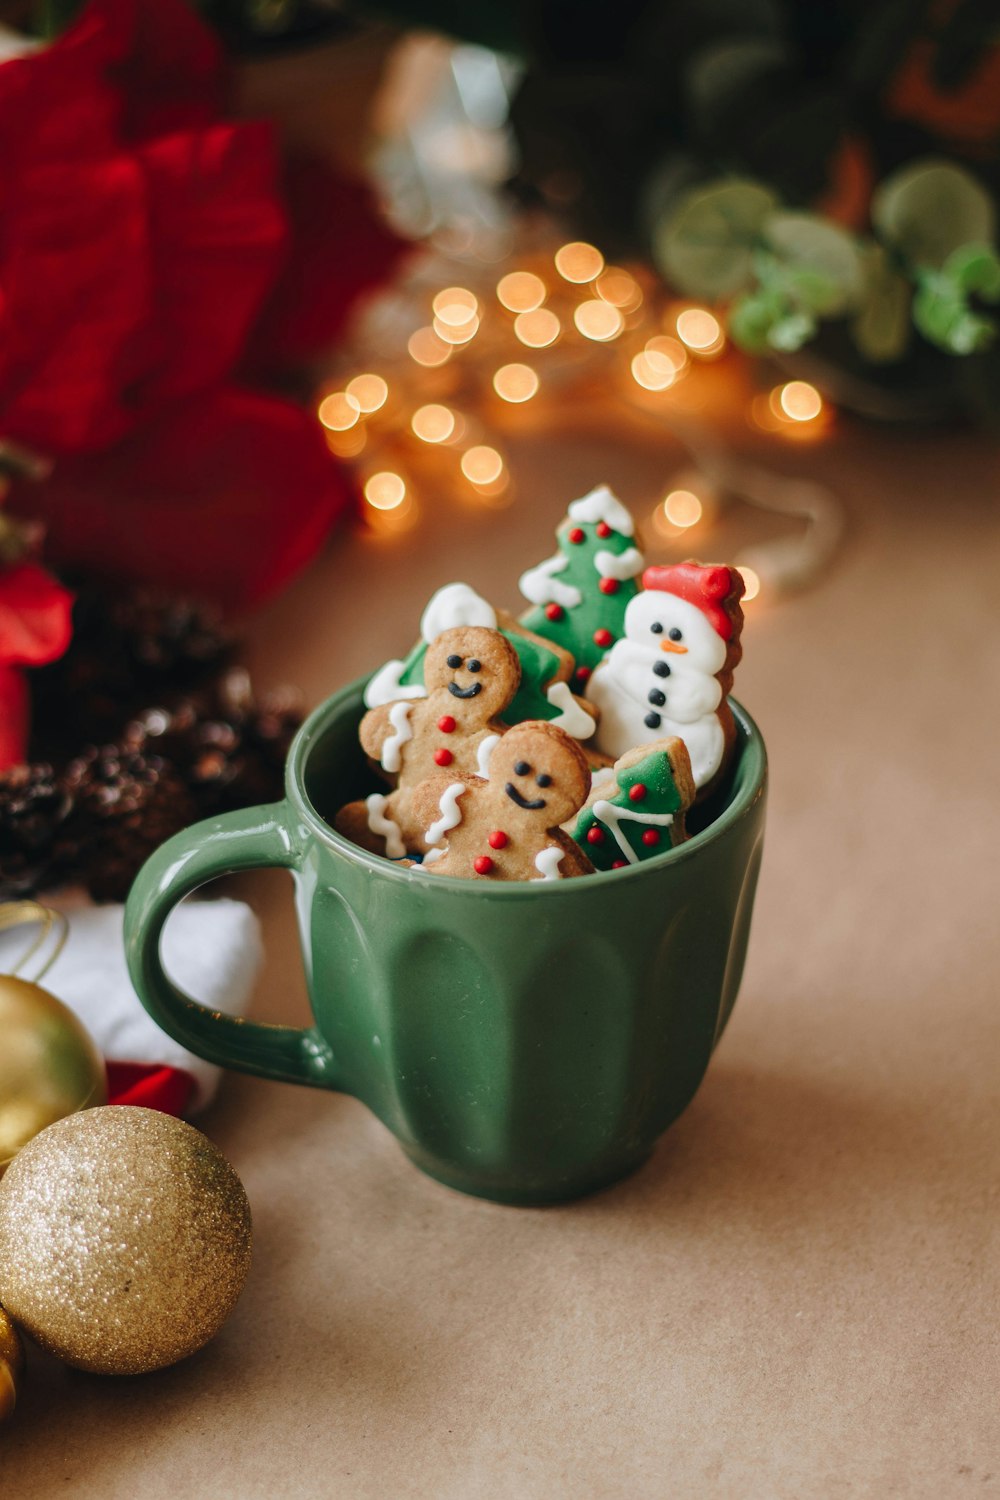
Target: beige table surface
798	1295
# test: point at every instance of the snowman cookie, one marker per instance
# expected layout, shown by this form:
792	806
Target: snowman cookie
506	827
471	673
670	674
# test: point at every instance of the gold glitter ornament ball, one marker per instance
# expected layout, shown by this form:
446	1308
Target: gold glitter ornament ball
11	1365
124	1240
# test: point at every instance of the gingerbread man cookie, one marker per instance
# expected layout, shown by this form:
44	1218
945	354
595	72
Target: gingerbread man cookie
506	827
471	673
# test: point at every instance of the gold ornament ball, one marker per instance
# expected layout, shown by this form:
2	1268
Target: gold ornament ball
11	1365
125	1240
49	1067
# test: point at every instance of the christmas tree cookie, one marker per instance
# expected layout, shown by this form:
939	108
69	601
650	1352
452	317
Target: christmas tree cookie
641	811
580	594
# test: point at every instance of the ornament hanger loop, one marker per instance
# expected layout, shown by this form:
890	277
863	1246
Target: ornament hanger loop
17	913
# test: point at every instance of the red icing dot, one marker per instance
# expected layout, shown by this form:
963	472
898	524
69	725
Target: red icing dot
498	839
603	637
553	611
651	836
637	792
446	724
609	585
576	536
483	865
618	864
443	757
603	529
595	835
582	675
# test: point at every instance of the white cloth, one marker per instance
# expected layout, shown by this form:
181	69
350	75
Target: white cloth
211	949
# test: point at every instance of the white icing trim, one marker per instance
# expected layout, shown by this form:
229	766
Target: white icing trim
486	749
455	604
602	505
547	861
611	816
399	718
385	686
432	855
387	827
571	717
600	775
620	565
450	813
539	585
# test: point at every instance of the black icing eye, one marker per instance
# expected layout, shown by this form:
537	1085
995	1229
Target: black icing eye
544	779
675	634
521	768
454	661
656	628
474	665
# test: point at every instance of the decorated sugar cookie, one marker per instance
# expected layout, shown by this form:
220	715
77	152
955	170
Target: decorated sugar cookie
671	673
546	668
472	674
638	811
581	594
506	826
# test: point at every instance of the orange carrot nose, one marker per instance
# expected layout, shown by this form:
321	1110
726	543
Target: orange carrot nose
673	646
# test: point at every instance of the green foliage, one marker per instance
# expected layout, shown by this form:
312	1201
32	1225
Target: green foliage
929	209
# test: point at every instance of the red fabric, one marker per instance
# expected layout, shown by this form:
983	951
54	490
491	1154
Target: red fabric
35	627
151	1085
716	590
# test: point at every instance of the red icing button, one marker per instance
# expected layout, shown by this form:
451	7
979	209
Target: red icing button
603	529
618	864
603	637
582	675
553	611
498	839
651	836
637	792
595	835
609	585
446	723
443	757
576	536
483	865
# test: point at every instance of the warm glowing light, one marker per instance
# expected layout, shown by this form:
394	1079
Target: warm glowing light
339	411
682	508
668	348
390	523
700	331
347	444
455	306
521	291
579	262
798	401
515	382
427	349
537	329
450	334
482	465
653	371
619	288
598	320
369	391
433	424
386	490
751	581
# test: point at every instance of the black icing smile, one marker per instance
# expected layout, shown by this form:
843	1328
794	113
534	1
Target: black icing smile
515	796
469	692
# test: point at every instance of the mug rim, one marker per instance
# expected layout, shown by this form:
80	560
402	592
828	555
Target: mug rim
311	732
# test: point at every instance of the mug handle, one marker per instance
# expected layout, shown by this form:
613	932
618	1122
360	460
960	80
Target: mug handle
243	840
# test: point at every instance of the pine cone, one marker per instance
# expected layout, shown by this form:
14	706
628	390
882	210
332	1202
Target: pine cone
34	806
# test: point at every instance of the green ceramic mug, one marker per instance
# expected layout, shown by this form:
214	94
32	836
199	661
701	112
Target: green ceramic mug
526	1042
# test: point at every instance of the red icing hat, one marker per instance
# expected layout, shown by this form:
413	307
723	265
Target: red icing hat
711	588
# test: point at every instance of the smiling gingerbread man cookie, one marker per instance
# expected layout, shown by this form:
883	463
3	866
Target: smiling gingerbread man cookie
471	674
506	827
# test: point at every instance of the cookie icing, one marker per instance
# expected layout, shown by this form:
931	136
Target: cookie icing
541	586
602	505
384	826
547	862
451	814
611	816
399	718
620	565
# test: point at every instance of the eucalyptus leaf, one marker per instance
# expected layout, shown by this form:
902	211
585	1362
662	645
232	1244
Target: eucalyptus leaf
823	255
943	316
705	246
975	268
791	332
930	209
750	320
881	329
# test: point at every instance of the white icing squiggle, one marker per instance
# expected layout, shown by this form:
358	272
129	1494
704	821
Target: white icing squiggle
602	505
620	565
432	855
571	717
450	813
611	816
379	823
541	586
486	749
385	686
547	861
399	718
455	604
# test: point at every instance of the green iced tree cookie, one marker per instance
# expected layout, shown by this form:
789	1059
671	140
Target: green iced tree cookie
638	811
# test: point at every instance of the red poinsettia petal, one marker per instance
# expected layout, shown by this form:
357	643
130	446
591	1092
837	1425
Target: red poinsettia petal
35	616
13	717
227	496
